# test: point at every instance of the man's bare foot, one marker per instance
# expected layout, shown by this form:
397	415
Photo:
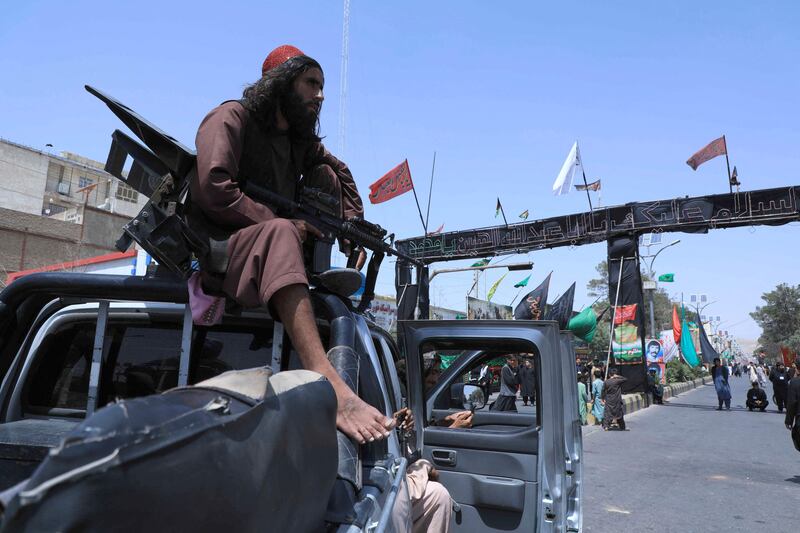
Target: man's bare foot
360	421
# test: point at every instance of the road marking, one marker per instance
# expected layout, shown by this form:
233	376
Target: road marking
718	477
617	510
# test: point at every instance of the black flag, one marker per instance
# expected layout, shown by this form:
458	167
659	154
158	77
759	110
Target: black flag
561	310
708	351
532	305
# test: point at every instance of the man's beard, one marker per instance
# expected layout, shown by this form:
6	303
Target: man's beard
302	120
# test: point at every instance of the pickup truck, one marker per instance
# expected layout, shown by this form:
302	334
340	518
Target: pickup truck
76	349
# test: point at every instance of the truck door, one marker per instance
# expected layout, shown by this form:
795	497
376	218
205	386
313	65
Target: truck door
573	435
504	469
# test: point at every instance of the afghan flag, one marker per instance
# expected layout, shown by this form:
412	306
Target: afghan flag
713	149
494	286
561	310
481	263
584	324
676	325
532	305
394	183
666	277
523	283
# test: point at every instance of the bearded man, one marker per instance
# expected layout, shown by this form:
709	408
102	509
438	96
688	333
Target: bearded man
270	137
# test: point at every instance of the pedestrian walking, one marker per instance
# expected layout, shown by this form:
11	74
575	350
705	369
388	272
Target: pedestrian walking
762	376
756	398
583	399
719	374
780	385
612	395
509	380
527	382
751	372
792	420
597	391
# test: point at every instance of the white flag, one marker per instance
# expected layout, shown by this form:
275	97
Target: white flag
573	164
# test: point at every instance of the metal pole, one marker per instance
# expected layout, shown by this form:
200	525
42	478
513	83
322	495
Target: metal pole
614	315
652	315
727	162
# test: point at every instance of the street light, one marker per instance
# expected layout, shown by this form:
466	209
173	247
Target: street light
477	269
652	290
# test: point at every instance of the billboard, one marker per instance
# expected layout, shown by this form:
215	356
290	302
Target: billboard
485	310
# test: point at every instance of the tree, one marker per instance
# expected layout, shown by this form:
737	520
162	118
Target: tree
598	287
779	318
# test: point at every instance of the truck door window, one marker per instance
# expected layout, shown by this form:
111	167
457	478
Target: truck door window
493	382
215	351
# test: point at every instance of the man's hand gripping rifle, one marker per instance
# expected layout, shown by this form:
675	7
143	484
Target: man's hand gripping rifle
321	210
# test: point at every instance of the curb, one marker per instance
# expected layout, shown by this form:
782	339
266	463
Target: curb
636	402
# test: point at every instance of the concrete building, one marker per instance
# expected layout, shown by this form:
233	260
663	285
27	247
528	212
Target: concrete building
58	186
58	208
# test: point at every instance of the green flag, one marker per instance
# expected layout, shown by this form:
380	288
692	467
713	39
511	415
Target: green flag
498	209
494	287
583	324
666	277
481	263
524	215
523	283
687	346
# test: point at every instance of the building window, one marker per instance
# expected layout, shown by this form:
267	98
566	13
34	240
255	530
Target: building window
127	193
83	181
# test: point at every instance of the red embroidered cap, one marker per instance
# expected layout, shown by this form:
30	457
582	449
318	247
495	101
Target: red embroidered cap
279	56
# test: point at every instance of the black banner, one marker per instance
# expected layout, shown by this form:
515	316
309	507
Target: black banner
690	215
561	310
531	307
628	321
708	351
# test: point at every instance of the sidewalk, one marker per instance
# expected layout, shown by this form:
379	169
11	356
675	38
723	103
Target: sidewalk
637	401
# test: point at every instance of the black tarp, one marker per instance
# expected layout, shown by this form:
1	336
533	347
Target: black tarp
625	251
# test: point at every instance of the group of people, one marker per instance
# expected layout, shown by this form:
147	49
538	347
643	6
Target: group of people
603	399
514	377
758	374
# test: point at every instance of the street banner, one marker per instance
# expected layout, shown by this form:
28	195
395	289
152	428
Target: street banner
713	149
561	310
706	348
788	356
571	165
532	305
655	359
394	183
627	336
688	350
483	310
668	345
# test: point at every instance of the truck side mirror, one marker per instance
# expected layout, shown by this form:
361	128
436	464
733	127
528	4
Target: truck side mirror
473	397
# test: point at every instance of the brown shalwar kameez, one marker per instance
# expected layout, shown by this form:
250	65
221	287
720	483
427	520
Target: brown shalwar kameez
264	251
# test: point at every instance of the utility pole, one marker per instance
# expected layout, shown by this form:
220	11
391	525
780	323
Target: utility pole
343	78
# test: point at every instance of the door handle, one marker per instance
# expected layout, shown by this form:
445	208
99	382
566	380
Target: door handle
444	457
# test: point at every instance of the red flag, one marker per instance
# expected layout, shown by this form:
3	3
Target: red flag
394	183
710	151
676	325
437	231
625	313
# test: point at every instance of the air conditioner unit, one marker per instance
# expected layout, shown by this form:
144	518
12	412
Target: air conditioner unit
63	187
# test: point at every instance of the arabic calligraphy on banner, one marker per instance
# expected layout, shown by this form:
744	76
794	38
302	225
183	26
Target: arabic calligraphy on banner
394	183
773	206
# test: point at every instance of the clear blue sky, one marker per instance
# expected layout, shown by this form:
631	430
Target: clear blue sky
500	91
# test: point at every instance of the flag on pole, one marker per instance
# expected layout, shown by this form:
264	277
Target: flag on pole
494	286
572	164
523	283
666	277
735	178
394	183
498	209
481	263
676	325
713	149
687	346
584	324
437	231
532	305
561	310
524	215
593	186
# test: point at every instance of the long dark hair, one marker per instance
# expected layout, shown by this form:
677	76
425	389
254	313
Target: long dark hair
275	88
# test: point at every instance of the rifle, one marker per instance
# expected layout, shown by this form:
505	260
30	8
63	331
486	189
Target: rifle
321	211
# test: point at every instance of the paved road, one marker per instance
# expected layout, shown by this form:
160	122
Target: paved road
685	467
